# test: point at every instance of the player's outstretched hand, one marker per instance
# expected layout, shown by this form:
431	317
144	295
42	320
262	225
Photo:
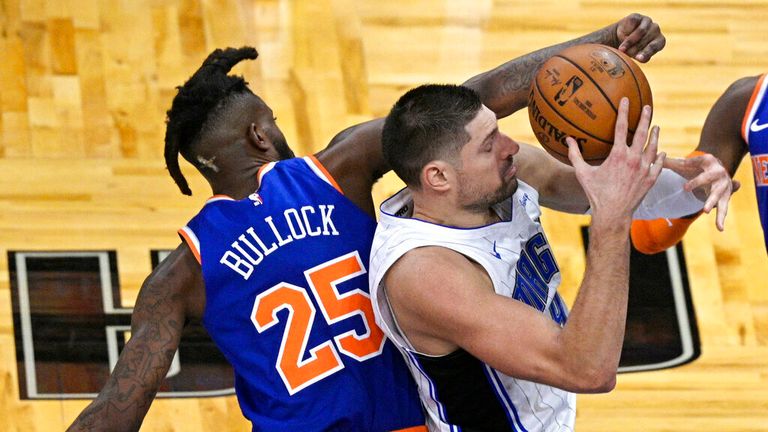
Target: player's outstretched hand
616	187
709	181
639	37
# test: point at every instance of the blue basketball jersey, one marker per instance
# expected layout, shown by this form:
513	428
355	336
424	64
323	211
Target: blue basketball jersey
287	303
755	132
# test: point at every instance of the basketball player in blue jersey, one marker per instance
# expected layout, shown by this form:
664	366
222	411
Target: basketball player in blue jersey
736	125
275	264
464	281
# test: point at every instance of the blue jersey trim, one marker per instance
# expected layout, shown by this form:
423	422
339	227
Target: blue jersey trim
504	398
432	392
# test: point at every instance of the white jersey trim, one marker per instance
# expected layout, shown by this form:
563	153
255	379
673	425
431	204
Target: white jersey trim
215	198
264	170
320	171
316	170
194	242
440	408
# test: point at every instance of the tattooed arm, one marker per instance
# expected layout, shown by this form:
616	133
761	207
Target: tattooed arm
505	89
173	292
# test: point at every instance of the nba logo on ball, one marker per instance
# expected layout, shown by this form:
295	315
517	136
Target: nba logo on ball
571	86
583	100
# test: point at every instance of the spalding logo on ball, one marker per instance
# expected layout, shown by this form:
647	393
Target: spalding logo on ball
577	92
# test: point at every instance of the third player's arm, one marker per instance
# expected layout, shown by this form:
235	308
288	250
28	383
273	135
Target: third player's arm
156	325
721	134
710	174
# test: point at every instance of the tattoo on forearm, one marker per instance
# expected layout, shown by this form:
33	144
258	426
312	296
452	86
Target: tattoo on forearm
520	73
505	88
518	77
142	366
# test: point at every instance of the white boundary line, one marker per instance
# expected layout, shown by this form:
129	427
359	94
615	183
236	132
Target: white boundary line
686	338
25	317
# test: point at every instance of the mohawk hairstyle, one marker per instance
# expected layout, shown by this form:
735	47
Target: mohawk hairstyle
203	92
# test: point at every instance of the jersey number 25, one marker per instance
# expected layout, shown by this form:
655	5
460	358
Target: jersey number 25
323	359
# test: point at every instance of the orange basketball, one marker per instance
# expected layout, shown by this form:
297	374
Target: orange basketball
577	92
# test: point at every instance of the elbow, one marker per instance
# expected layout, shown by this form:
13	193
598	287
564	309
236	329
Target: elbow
584	371
604	384
578	376
586	375
598	380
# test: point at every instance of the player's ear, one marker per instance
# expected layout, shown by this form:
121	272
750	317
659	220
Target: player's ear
437	175
258	138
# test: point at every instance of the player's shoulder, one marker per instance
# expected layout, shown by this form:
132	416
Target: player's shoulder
433	281
181	264
304	171
733	103
742	88
355	152
299	163
748	81
178	279
442	265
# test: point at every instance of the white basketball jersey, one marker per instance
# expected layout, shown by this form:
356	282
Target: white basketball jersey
459	391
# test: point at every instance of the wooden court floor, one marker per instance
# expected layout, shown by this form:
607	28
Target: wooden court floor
84	86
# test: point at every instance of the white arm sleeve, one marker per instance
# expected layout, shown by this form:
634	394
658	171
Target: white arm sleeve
668	199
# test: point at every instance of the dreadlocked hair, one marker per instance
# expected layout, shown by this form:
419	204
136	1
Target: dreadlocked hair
205	90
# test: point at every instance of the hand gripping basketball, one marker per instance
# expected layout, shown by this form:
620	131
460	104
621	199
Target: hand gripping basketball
618	185
576	93
640	37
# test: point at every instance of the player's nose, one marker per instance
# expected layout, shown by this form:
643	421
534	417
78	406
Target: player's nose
509	147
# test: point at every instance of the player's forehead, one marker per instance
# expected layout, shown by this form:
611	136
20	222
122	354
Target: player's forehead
482	124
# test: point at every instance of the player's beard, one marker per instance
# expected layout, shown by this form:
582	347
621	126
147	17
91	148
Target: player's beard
472	198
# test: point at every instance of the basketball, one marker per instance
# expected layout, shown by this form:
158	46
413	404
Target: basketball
577	92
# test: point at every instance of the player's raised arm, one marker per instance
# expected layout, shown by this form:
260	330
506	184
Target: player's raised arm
156	326
722	139
355	161
721	135
721	146
354	156
505	88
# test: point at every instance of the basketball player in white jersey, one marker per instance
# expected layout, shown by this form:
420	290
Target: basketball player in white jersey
464	281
